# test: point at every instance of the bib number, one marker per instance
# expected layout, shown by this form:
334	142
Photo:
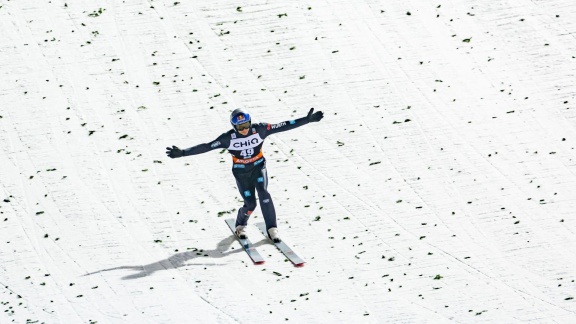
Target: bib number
247	153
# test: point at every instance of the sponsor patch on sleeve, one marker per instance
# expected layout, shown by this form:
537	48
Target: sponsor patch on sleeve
215	144
278	125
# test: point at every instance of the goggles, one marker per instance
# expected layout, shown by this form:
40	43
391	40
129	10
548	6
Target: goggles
243	126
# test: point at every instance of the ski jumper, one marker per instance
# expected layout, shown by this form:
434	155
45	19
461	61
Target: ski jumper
249	165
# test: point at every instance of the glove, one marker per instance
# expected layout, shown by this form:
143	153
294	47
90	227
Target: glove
315	116
174	152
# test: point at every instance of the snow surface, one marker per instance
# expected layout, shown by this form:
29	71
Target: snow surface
439	187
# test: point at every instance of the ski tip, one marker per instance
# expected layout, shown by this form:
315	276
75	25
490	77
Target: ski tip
299	265
259	262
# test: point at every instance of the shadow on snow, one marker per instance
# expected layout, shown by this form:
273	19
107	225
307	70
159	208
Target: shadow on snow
180	259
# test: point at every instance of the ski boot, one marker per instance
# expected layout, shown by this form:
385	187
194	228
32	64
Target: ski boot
273	234
241	232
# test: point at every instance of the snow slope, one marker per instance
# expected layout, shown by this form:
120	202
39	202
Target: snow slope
438	188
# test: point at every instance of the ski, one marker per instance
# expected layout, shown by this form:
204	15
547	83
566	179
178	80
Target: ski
246	244
283	247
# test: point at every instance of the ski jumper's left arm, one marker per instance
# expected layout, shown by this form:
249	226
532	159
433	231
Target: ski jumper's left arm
291	124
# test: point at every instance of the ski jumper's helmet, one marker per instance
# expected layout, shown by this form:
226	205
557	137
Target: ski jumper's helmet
239	116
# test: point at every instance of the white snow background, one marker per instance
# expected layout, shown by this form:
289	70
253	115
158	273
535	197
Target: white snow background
439	187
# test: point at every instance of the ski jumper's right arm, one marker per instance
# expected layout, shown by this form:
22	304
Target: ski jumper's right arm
223	141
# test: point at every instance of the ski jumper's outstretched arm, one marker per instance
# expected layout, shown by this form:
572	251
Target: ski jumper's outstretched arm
291	124
221	142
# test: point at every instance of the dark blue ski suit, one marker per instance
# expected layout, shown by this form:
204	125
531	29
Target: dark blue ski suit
249	164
